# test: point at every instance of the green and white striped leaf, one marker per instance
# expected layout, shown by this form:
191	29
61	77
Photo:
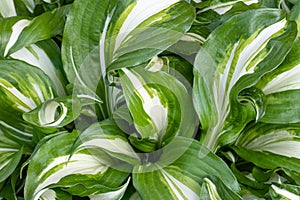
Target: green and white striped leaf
221	6
173	177
107	136
10	156
123	34
258	44
19	32
22	88
271	146
11	8
115	195
55	194
56	112
46	56
284	191
282	89
127	32
81	174
214	189
160	107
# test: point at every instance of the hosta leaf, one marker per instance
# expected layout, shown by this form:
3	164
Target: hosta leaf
279	139
284	191
282	88
10	156
174	65
159	105
123	34
46	56
107	136
22	88
215	189
122	23
221	6
56	112
55	194
10	8
270	146
118	194
81	174
172	176
242	57
19	32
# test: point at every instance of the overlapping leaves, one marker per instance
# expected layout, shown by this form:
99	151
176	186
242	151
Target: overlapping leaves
121	124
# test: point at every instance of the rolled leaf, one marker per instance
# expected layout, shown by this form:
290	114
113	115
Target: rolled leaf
22	88
56	112
282	88
242	57
122	30
123	34
159	105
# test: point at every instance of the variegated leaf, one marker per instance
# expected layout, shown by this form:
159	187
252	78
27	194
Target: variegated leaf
46	56
56	112
107	136
282	89
81	174
55	194
284	191
171	176
10	156
242	57
160	107
19	32
10	8
271	146
221	6
123	34
22	88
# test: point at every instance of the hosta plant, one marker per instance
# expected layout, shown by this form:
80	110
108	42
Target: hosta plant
139	99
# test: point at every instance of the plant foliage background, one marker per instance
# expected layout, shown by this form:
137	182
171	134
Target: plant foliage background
140	99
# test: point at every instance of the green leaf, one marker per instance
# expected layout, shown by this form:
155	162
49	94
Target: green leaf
242	57
214	189
56	112
123	34
107	136
46	56
120	34
222	6
22	88
81	174
281	87
10	156
172	176
19	32
55	194
284	191
118	194
283	140
11	8
159	105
